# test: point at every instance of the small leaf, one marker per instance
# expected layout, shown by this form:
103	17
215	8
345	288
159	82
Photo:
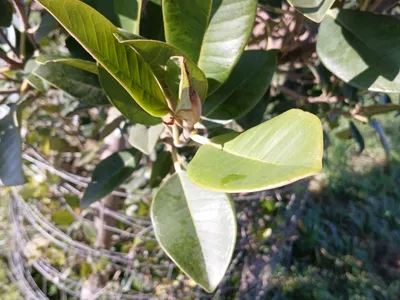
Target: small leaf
80	84
10	148
110	174
47	25
244	88
6	12
377	109
369	49
195	27
121	99
356	134
161	168
280	151
75	62
145	138
381	135
96	34
196	228
62	218
313	9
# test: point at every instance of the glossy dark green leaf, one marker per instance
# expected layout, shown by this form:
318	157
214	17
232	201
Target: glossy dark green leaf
121	99
244	88
152	23
96	34
6	12
10	148
83	85
211	33
161	168
356	134
196	228
145	138
110	174
277	152
157	55
313	9
362	49
256	115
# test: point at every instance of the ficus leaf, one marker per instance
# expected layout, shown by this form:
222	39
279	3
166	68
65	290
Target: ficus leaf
195	27
10	148
196	228
161	168
145	138
96	35
313	9
369	49
6	12
85	65
110	174
282	150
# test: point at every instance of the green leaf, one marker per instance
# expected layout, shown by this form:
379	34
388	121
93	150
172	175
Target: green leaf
62	218
157	55
47	25
10	148
161	168
369	49
196	228
110	174
313	9
213	34
244	88
128	14
377	109
6	12
277	152
152	23
145	138
380	132
256	115
75	62
356	134
83	85
121	99
96	34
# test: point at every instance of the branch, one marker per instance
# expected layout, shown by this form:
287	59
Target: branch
11	62
304	50
2	34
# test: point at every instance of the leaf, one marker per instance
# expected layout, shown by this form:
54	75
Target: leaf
161	168
152	23
128	14
377	109
80	84
196	228
381	135
47	25
75	62
145	138
277	152
369	49
256	115
96	34
110	174
157	55
315	10
212	34
62	218
6	12
244	88
121	99
10	148
356	134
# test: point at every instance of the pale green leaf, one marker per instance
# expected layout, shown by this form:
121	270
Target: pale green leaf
128	14
145	138
196	228
75	62
96	34
245	87
211	33
121	99
362	49
110	174
313	9
10	148
277	152
83	85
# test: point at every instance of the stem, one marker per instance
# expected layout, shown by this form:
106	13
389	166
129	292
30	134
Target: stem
175	159
364	5
176	136
11	62
2	34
